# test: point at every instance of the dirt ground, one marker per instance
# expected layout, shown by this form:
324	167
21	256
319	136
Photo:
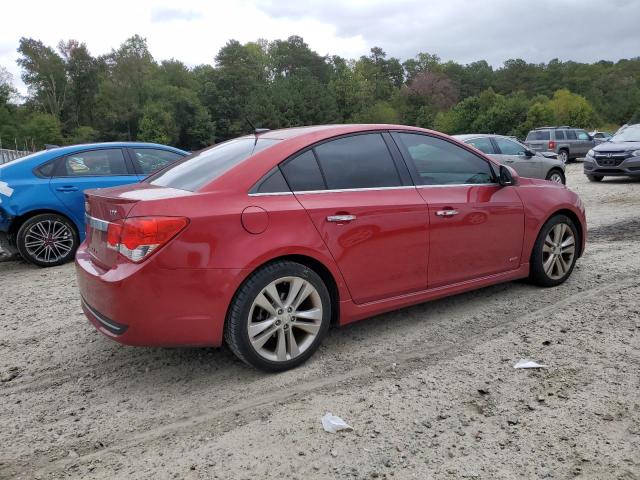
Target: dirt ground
430	391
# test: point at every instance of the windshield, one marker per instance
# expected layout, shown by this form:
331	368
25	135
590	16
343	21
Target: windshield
198	169
628	134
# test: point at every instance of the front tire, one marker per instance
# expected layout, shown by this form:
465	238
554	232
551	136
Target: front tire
555	252
556	176
595	178
278	317
47	240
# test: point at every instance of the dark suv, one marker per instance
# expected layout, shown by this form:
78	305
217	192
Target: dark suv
620	156
569	143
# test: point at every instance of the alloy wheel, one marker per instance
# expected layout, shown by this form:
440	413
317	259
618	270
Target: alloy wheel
558	251
555	177
285	319
563	156
49	241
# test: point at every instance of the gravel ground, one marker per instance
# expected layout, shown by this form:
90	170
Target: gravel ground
430	390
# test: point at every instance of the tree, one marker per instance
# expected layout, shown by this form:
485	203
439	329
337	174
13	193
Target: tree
82	74
45	74
572	109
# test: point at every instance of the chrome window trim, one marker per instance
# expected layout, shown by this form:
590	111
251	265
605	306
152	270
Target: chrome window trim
269	194
96	223
403	187
340	190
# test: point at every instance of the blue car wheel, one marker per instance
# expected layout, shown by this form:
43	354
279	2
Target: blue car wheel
47	240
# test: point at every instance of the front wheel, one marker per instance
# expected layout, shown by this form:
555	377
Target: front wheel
278	317
595	178
556	176
47	240
555	252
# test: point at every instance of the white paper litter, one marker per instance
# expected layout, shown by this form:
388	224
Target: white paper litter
528	363
333	424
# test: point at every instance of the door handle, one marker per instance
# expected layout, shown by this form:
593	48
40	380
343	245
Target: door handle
508	161
447	213
67	189
341	218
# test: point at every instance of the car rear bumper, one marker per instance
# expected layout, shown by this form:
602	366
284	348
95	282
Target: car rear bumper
629	167
146	304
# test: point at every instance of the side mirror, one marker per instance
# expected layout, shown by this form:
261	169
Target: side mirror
529	153
507	176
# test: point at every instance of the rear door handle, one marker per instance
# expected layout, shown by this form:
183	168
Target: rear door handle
341	218
67	189
447	213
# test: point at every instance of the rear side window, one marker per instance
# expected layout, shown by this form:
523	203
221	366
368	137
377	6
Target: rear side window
537	135
438	162
559	134
482	144
359	161
571	134
46	170
302	173
94	163
195	171
273	182
150	160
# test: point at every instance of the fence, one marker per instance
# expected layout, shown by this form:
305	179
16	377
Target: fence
8	155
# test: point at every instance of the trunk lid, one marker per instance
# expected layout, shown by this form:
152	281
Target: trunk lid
104	207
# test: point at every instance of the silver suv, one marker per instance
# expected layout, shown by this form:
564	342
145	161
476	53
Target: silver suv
568	142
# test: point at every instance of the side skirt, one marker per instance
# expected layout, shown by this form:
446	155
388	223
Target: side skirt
351	312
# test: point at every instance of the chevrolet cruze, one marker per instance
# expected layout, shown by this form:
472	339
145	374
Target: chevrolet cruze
263	241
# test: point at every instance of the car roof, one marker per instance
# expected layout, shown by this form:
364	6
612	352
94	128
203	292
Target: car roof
470	136
329	131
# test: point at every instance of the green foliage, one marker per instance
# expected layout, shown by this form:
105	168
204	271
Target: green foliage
128	95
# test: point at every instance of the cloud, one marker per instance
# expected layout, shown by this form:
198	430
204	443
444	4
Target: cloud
160	15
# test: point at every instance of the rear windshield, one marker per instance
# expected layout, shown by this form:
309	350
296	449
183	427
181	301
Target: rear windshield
198	169
537	135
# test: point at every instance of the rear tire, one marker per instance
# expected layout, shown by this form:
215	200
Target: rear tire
47	240
555	252
556	176
595	178
563	156
278	317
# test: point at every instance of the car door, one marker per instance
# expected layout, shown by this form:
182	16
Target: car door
367	211
147	160
476	226
515	155
585	143
77	172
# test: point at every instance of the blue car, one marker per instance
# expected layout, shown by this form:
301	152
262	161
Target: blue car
42	195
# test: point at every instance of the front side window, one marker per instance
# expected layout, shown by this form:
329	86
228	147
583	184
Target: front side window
94	163
439	162
359	161
508	147
198	169
483	144
150	160
582	135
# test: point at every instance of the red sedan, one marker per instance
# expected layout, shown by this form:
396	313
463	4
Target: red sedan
263	241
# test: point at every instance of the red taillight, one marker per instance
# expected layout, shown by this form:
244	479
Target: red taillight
552	145
136	238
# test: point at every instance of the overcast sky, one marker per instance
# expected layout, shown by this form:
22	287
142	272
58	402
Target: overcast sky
461	30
